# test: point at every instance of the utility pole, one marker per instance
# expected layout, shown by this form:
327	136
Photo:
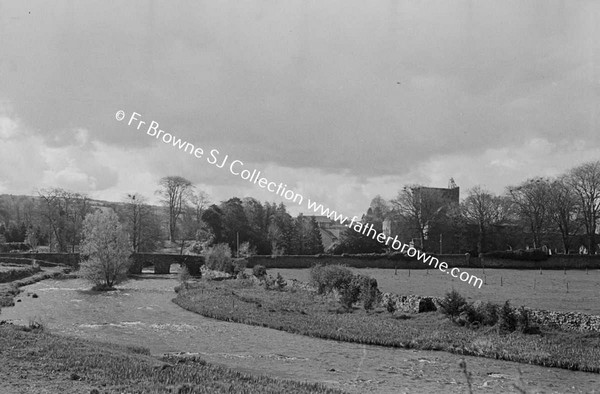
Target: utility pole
238	244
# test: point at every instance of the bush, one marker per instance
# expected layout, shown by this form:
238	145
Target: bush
269	282
280	282
184	276
390	305
351	287
508	320
369	293
329	277
524	322
452	304
259	271
489	313
350	292
239	267
218	258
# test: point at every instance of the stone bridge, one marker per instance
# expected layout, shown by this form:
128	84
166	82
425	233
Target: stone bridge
162	262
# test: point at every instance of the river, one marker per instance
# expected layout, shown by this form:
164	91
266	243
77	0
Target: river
141	313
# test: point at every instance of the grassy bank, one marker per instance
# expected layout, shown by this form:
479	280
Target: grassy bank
52	363
306	313
8	291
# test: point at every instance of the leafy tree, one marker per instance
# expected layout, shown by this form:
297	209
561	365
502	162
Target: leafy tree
256	215
106	250
213	217
281	230
355	242
315	241
235	223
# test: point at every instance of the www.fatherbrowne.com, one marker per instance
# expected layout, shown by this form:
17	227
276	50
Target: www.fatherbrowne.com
236	167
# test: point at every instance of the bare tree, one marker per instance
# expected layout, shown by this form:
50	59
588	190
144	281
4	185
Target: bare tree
420	207
64	212
484	209
136	212
585	182
175	193
564	210
532	198
200	201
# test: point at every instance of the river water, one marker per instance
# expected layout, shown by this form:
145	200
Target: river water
141	313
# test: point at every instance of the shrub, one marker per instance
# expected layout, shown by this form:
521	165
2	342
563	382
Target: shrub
184	276
239	267
351	287
259	271
524	321
218	258
280	282
452	304
329	277
369	293
489	313
269	282
390	305
470	315
350	292
508	320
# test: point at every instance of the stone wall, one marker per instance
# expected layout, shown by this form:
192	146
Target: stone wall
576	321
402	262
410	303
566	320
70	259
17	268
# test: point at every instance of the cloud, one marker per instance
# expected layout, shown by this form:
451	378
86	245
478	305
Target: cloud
340	99
28	162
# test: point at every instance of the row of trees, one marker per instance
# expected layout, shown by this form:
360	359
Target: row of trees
261	228
560	213
56	218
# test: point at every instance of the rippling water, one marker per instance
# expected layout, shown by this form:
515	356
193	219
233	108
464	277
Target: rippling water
141	313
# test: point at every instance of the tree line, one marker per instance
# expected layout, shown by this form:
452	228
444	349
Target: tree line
558	213
186	217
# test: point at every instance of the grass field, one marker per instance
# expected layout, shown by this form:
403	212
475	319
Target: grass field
517	286
35	362
305	313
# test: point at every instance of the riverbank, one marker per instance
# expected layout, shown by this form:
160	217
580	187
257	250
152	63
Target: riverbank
141	313
8	291
301	312
34	361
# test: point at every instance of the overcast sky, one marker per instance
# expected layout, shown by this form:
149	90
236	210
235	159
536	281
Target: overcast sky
340	100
